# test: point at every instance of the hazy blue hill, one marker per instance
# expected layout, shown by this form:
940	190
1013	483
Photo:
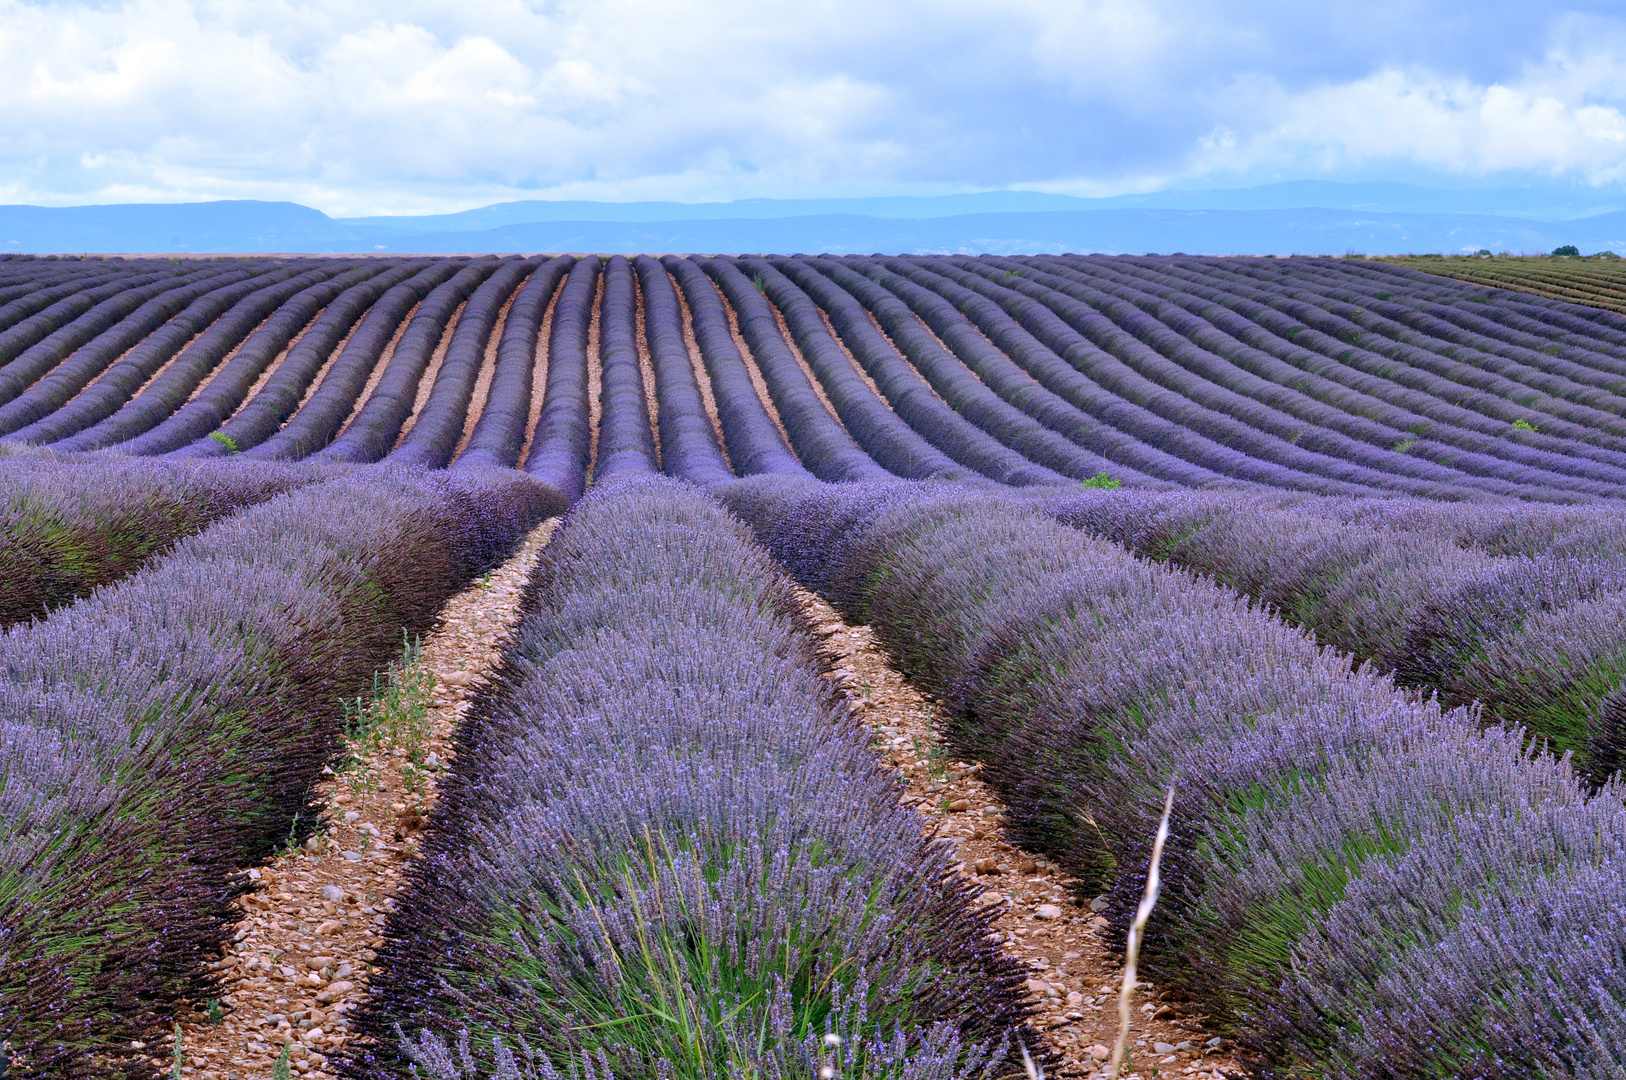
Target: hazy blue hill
1215	232
232	225
1557	202
1259	221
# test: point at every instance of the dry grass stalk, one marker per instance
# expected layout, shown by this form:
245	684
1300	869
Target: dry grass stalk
1136	931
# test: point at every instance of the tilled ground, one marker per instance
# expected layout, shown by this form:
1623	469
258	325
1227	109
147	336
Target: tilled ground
1075	978
300	960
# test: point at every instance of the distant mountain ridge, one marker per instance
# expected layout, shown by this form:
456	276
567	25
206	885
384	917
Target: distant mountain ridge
1276	219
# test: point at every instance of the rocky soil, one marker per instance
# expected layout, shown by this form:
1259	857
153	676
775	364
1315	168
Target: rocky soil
299	961
1075	977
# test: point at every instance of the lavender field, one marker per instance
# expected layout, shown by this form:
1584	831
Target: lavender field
1335	548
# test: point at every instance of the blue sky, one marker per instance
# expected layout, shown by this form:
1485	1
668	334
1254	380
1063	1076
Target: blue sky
364	106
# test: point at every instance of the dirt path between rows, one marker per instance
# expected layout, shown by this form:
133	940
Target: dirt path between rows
301	957
299	963
1075	977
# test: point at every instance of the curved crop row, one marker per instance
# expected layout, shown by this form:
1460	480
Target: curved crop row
64	360
689	446
1425	362
438	427
894	441
1178	335
146	339
1149	414
36	299
499	434
275	408
755	444
666	849
1456	388
902	392
84	309
1135	369
1581	392
1537	641
165	732
171	410
953	381
826	447
562	446
1559	279
199	337
303	334
626	438
1432	427
1344	880
1025	372
70	525
374	427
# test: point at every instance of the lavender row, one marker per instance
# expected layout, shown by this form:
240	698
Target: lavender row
176	407
1029	375
129	312
1535	638
374	426
297	339
562	445
499	435
438	427
1571	371
666	849
1458	388
1037	339
1342	429
1422	363
688	439
826	447
885	420
1137	370
1349	867
81	310
363	318
899	390
167	731
72	524
198	337
1270	345
958	385
755	444
626	436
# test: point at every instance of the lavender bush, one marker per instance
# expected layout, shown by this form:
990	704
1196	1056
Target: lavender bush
318	318
374	309
666	850
689	445
166	731
438	427
71	524
1345	847
903	390
371	429
217	320
130	407
626	437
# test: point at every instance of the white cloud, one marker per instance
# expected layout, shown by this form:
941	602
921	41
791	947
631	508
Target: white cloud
1560	116
362	106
